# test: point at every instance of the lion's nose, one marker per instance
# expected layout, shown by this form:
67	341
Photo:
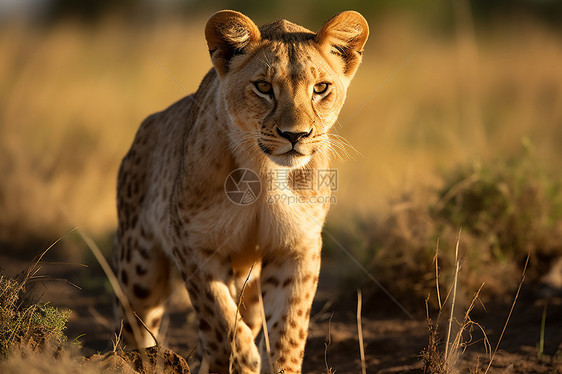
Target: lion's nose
293	137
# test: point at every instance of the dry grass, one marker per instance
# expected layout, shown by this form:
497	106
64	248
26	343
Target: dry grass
443	358
360	333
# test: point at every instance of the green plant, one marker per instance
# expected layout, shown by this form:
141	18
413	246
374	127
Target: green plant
513	205
25	323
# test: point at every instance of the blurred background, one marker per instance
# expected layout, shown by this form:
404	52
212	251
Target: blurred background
454	119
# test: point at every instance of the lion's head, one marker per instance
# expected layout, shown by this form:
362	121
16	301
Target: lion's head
284	85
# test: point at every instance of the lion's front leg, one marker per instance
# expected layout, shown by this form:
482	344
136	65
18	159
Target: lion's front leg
288	284
226	340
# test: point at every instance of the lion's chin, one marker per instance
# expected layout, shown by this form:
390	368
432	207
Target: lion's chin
291	159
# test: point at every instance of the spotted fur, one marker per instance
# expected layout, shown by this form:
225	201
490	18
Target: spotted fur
266	105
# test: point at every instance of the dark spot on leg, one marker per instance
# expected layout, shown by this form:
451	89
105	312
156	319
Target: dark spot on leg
219	335
255	364
273	281
204	325
140	270
287	282
145	253
193	287
124	277
140	291
213	346
178	255
209	311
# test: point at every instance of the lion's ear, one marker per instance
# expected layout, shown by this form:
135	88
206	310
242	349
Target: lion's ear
345	35
228	33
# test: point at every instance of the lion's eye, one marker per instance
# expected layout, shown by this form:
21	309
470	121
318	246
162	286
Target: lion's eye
264	87
321	88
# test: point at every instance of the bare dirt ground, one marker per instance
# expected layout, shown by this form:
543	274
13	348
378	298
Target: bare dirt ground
392	342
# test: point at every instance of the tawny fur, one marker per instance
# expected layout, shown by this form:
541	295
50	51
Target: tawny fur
173	209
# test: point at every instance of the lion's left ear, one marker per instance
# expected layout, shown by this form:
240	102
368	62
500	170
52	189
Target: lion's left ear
345	35
228	33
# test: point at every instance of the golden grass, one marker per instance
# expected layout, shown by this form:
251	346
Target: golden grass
459	336
72	98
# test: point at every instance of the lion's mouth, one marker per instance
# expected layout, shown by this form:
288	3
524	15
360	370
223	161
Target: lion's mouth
287	155
292	153
291	158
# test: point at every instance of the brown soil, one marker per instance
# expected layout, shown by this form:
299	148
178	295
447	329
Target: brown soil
392	342
153	360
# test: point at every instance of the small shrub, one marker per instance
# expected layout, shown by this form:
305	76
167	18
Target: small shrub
27	325
505	211
512	208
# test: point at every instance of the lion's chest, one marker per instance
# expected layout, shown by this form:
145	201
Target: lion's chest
228	227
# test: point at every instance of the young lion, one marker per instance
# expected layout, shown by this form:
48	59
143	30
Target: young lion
226	183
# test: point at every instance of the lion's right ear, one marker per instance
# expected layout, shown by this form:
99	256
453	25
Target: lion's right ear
344	35
229	33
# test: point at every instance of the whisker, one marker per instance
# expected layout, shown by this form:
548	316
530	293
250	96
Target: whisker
343	144
245	143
